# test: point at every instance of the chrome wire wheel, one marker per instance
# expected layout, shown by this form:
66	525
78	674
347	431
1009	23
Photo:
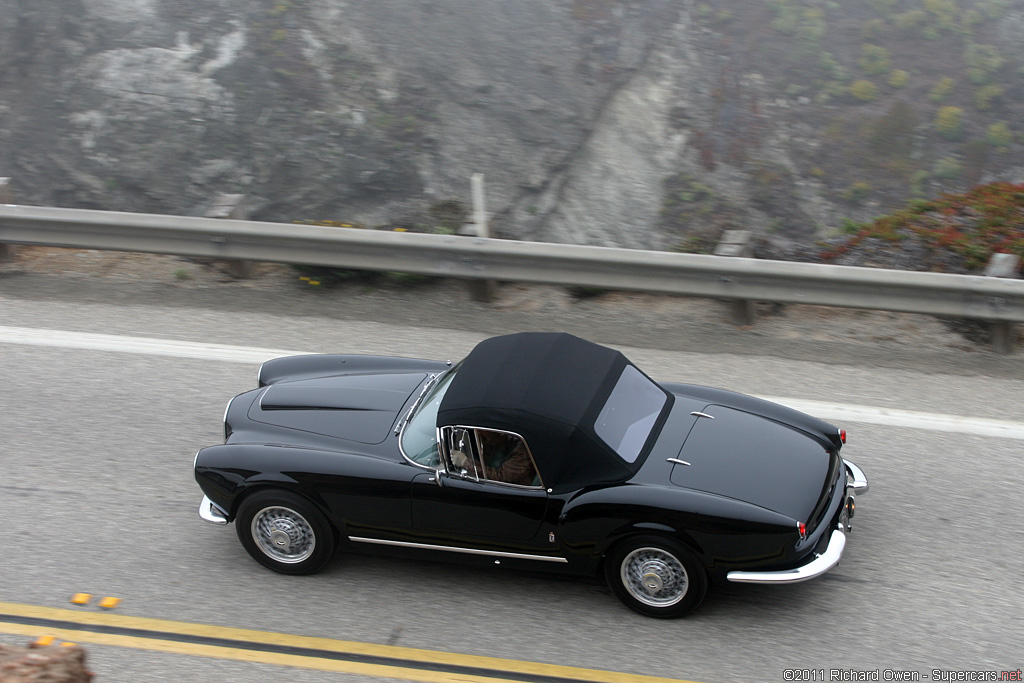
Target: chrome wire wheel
654	577
283	535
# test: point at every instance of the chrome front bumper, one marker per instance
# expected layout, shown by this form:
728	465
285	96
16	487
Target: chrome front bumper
856	483
211	513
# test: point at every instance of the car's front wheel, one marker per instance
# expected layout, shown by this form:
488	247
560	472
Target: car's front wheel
656	576
284	532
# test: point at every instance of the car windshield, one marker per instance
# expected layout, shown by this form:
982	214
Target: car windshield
419	436
627	418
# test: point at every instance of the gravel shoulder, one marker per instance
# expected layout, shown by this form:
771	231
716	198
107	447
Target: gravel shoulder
814	333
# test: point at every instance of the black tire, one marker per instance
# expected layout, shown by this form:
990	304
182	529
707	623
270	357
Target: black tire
656	576
284	532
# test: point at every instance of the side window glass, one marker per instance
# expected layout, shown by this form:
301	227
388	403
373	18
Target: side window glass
505	458
462	457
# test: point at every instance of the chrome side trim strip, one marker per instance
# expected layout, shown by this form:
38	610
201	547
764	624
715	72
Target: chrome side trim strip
697	413
677	461
453	549
860	481
211	513
816	567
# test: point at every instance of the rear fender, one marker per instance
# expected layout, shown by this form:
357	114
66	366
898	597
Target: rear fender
651	529
711	527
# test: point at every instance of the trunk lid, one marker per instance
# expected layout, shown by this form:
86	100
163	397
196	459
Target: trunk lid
740	455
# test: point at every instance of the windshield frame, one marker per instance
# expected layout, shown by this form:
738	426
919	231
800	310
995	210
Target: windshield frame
438	383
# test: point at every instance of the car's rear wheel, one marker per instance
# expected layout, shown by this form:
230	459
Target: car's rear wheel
284	532
656	576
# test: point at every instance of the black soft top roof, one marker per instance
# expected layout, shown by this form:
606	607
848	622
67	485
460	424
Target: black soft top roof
548	387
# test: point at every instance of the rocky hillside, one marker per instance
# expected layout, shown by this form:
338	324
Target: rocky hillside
639	123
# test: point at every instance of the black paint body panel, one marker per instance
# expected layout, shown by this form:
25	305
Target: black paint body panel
717	506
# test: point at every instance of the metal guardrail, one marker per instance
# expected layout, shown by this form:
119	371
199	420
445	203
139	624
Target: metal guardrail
961	296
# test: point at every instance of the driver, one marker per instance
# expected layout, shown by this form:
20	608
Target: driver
506	459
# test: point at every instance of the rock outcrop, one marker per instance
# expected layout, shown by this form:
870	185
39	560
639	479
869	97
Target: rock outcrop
48	664
633	123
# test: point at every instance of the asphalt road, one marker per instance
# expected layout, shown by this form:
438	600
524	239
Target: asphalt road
97	496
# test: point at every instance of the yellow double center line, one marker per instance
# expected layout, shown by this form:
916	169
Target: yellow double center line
322	654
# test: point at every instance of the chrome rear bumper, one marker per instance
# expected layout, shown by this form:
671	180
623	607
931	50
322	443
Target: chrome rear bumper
816	567
859	482
211	513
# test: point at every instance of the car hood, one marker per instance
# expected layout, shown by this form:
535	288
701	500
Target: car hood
360	408
744	456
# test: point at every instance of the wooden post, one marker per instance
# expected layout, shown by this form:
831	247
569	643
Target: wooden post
481	290
737	243
232	206
7	251
1004	332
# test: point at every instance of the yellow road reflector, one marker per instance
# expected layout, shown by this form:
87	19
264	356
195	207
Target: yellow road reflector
81	598
110	603
68	644
44	641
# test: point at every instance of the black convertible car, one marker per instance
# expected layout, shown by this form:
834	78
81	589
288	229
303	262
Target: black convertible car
537	450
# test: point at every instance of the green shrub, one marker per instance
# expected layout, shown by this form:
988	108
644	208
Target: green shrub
863	90
836	89
807	23
909	21
972	18
875	60
982	62
898	78
857	192
949	121
941	90
987	95
944	13
947	168
832	67
884	7
974	224
872	29
999	135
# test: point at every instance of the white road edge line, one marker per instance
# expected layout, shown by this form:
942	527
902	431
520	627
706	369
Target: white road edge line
142	345
835	412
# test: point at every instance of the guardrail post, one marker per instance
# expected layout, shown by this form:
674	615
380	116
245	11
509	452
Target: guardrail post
737	243
1004	332
7	251
481	290
232	206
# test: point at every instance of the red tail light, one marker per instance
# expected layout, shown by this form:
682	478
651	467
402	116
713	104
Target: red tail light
842	435
802	528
